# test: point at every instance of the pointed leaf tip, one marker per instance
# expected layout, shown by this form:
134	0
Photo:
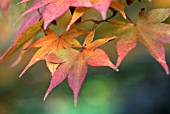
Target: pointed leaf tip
75	99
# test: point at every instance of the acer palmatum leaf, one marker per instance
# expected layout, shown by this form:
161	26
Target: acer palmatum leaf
56	8
74	63
52	66
32	18
118	6
79	11
4	7
149	31
51	43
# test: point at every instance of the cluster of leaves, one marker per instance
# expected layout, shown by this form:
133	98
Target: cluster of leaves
66	57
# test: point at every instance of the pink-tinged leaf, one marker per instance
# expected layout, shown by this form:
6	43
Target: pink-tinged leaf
149	31
154	47
81	3
55	10
101	6
4	7
74	63
32	18
35	7
77	75
99	58
60	74
124	46
76	15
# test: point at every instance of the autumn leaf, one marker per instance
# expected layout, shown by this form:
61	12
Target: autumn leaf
27	35
149	31
74	63
101	6
79	11
32	18
4	7
52	67
53	42
118	6
55	8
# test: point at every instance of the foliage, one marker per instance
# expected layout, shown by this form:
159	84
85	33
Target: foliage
65	56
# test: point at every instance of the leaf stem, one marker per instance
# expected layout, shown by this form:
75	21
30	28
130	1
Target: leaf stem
98	22
130	19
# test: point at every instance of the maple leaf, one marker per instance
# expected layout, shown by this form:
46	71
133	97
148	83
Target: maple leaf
4	7
118	6
56	8
79	11
51	43
149	31
74	63
32	18
22	39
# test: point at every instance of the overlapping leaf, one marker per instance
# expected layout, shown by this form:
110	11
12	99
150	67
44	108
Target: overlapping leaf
74	63
56	8
32	18
149	31
79	11
118	6
51	43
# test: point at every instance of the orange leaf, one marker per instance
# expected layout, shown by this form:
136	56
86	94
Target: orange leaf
118	6
52	42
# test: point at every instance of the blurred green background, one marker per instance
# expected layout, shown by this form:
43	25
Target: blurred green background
140	87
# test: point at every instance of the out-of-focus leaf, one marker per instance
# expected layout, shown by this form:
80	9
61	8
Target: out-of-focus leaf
4	7
32	18
28	34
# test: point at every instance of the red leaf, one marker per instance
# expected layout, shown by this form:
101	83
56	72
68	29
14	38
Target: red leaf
149	31
32	18
75	63
55	8
4	7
